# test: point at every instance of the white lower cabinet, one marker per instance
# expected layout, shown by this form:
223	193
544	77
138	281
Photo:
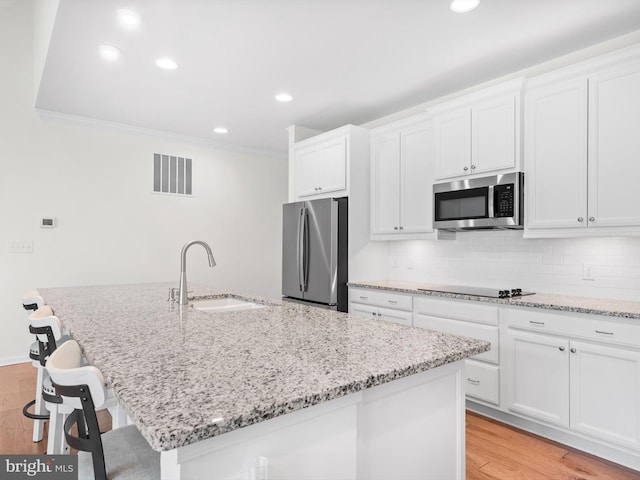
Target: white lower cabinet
605	393
482	381
573	378
587	387
538	383
482	372
381	305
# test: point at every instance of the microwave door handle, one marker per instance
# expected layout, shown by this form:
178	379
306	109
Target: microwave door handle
490	201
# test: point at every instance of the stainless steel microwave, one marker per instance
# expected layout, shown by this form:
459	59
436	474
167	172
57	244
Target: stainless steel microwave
494	202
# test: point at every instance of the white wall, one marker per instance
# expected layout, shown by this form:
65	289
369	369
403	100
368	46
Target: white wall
97	182
505	259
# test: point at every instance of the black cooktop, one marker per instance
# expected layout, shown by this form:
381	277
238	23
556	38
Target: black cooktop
478	291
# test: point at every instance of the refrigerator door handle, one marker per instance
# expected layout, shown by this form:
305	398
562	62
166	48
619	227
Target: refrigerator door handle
299	248
305	250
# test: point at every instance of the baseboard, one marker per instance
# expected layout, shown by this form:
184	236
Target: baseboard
13	360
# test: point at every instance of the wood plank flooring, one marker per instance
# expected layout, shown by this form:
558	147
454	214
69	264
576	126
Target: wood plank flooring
495	451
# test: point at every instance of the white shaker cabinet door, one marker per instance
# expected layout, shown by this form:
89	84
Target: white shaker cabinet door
416	204
334	165
556	155
614	147
538	376
366	311
452	137
386	184
308	169
605	393
396	316
493	134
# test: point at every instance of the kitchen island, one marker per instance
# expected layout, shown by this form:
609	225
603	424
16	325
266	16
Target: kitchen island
284	391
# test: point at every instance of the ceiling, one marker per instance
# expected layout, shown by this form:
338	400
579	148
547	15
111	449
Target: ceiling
343	61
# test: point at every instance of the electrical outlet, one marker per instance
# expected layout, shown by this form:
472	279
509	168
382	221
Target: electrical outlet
588	272
20	246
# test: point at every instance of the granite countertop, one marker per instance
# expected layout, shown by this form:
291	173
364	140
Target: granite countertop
566	303
184	375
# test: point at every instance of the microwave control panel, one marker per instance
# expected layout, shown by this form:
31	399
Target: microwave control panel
503	200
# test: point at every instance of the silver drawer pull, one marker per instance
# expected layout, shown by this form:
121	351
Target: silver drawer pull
393	301
604	333
532	322
363	298
475	382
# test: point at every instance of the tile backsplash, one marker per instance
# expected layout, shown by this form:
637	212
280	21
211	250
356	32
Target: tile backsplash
594	267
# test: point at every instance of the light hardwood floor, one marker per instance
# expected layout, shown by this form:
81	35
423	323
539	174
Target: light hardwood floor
494	451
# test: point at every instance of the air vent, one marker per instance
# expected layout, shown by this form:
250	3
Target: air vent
171	174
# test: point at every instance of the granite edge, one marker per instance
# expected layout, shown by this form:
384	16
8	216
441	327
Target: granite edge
516	302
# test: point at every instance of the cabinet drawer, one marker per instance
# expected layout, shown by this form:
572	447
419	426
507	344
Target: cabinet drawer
609	331
382	299
576	326
466	311
482	381
466	329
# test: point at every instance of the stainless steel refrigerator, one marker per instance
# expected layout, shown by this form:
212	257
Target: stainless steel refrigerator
314	252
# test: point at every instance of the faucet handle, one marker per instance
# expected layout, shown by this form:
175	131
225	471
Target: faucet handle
172	295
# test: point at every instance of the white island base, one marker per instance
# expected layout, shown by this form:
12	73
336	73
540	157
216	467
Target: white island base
410	428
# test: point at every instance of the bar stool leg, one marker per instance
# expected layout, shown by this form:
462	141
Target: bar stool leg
38	425
56	441
118	416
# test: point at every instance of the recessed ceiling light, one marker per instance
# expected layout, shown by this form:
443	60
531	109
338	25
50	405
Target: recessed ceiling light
109	52
220	130
128	17
284	97
166	63
463	6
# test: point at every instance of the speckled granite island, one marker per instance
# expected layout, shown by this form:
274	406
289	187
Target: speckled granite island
362	398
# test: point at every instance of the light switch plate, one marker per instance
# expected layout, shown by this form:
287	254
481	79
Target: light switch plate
20	246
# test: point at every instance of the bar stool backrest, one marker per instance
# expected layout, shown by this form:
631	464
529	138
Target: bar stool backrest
66	370
32	300
48	330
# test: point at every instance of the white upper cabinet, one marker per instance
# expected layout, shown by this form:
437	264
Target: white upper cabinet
555	155
614	146
581	149
478	133
322	163
401	180
452	136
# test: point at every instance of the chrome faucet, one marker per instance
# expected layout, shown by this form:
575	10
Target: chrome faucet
182	293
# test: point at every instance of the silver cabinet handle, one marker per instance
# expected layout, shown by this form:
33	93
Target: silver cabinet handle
393	302
320	188
374	313
465	168
561	349
573	350
601	332
473	167
580	219
592	219
363	298
474	382
533	322
401	227
395	228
